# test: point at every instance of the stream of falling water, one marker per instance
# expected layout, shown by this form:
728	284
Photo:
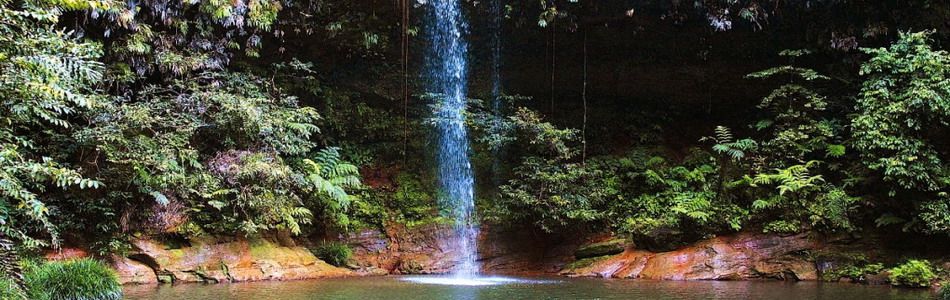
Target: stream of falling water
447	68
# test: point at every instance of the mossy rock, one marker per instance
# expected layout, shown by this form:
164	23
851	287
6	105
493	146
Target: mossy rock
584	262
165	278
411	267
609	247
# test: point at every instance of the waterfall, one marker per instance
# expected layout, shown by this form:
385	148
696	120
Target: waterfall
446	72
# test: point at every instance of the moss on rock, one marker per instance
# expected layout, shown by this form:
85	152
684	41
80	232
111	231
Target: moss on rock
584	263
609	247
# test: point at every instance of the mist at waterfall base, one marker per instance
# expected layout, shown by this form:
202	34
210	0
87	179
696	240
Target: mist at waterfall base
446	75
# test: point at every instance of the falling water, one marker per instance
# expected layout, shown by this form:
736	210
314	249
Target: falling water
447	79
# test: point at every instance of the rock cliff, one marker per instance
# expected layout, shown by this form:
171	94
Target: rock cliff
737	257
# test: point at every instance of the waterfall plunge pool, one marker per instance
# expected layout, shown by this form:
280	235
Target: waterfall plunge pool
472	281
509	288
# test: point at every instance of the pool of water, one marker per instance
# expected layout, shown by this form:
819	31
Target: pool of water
422	287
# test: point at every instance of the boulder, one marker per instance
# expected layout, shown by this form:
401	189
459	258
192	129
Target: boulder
133	272
882	278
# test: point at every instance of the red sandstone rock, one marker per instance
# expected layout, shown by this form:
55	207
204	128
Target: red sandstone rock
66	253
743	256
736	257
422	250
403	251
233	261
133	272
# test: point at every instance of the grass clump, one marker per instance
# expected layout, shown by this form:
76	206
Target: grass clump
334	253
913	273
81	279
10	291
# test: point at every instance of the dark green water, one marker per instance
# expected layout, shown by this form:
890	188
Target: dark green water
393	287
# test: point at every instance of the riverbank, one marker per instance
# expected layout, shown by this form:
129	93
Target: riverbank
154	261
419	250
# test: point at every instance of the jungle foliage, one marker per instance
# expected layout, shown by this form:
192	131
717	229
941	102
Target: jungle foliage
122	119
807	166
95	145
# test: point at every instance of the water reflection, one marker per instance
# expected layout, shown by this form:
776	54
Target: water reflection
508	288
472	281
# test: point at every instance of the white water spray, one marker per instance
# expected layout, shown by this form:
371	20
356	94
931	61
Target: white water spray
447	72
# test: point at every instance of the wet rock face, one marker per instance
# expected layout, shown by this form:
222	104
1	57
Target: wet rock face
518	251
420	250
738	257
229	261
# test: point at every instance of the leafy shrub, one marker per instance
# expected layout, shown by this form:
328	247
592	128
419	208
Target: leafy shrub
74	279
854	272
334	253
901	110
10	291
913	273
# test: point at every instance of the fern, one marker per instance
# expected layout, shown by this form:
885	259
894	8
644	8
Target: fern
725	144
329	178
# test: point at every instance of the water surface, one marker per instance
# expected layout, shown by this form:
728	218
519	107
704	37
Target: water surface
397	287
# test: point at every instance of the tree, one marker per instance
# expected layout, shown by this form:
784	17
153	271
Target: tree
793	185
903	108
46	76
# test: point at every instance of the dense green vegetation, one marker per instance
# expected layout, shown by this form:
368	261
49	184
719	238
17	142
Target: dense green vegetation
183	119
334	253
10	290
804	168
75	279
913	273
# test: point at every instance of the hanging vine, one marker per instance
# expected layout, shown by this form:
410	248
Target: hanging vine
404	50
584	100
